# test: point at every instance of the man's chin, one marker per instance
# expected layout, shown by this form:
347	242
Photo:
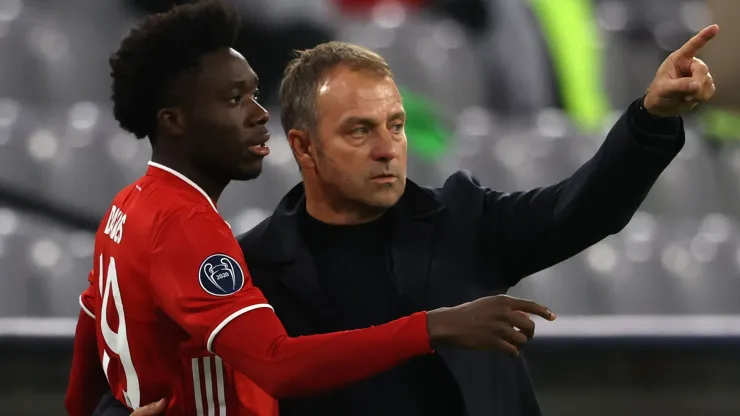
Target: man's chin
385	200
247	173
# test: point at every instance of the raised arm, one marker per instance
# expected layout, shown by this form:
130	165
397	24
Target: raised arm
536	229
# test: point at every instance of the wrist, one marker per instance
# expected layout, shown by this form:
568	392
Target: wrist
644	107
648	108
650	124
439	328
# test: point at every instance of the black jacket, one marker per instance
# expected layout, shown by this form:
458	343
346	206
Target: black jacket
462	241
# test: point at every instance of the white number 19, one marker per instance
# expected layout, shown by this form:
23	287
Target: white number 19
117	341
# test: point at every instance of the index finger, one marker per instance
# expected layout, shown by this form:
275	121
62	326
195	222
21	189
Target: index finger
692	48
529	306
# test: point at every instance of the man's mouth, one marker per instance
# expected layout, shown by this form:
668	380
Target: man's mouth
260	148
384	178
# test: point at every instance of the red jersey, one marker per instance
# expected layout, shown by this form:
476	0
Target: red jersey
170	285
168	276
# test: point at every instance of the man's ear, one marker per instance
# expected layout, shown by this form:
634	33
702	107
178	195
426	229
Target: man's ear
171	121
302	147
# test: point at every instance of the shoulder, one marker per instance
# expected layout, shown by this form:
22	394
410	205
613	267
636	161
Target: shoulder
174	202
180	216
160	200
191	235
461	180
460	189
146	207
252	237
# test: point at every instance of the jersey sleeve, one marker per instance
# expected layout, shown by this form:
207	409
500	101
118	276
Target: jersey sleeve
198	275
87	382
88	297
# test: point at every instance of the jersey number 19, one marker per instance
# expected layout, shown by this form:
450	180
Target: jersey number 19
117	341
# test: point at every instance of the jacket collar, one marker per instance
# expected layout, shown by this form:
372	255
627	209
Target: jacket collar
281	240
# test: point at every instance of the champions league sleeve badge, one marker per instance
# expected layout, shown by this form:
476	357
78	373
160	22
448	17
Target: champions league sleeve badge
221	275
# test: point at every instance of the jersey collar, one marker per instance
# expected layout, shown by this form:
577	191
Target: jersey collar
184	179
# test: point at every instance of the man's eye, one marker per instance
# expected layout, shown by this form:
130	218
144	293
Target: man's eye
237	99
397	128
360	131
256	95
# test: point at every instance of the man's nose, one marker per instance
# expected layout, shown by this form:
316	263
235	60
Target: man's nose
384	147
258	116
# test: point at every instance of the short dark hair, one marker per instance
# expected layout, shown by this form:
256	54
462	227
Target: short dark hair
304	74
159	49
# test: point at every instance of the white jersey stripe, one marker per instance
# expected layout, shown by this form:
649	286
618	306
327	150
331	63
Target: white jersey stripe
220	386
209	343
106	363
84	309
208	385
196	387
100	276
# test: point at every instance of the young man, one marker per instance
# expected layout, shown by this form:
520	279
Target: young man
170	310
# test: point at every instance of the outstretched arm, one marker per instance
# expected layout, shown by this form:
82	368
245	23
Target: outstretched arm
199	279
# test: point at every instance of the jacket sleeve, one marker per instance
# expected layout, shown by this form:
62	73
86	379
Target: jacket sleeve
533	230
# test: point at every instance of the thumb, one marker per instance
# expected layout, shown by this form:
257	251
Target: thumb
680	86
152	409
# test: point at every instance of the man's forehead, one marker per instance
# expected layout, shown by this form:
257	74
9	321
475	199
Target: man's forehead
357	89
224	67
234	53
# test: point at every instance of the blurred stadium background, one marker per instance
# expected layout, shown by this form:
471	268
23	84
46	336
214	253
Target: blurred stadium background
519	92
